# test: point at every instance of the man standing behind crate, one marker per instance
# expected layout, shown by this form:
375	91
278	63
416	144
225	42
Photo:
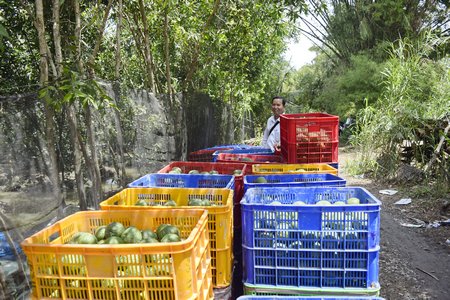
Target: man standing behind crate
271	138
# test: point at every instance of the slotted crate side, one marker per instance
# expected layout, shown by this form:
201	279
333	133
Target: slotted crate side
184	181
256	150
309	138
313	293
312	152
220	218
314	268
249	158
292	180
222	168
126	271
226	168
293	169
309	127
288	242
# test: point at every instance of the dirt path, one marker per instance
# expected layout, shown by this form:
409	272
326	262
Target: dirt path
407	254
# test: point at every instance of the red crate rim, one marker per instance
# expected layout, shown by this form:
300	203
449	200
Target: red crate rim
322	116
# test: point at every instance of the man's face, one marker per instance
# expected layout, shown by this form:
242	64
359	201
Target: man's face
277	107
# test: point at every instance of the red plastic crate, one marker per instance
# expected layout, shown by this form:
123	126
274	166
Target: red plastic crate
305	153
205	155
309	137
226	168
249	159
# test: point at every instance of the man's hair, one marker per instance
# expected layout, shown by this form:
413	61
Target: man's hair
281	98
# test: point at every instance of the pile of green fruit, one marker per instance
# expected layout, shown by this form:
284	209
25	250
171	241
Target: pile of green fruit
142	202
199	202
260	179
117	233
191	202
177	170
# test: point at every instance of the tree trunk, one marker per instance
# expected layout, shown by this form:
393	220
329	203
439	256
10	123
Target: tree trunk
72	117
97	192
98	42
192	68
121	173
76	8
57	38
167	54
49	112
148	58
73	125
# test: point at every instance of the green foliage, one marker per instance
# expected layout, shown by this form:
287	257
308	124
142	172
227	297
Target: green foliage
73	88
416	90
341	91
347	90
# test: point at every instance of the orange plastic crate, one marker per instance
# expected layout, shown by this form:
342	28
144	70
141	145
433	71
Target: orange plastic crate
294	169
220	218
161	271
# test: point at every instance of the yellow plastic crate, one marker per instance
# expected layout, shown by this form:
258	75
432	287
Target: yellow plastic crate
161	271
220	218
293	169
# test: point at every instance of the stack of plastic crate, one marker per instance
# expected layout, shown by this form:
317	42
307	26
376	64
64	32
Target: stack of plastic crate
158	271
266	169
238	170
309	138
310	240
158	189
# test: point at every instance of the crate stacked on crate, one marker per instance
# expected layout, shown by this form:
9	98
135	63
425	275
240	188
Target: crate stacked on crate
309	138
250	158
206	154
310	240
61	268
195	180
292	180
309	298
253	150
220	217
239	170
265	169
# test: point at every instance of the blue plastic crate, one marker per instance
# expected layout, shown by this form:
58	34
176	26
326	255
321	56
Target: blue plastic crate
184	181
334	165
293	180
286	292
253	150
330	297
6	251
235	146
288	243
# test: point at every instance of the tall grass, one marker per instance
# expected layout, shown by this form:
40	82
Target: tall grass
416	89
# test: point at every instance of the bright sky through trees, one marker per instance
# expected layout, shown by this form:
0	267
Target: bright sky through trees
298	53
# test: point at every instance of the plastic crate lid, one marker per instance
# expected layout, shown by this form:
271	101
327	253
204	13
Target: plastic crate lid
184	180
285	178
308	297
309	195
